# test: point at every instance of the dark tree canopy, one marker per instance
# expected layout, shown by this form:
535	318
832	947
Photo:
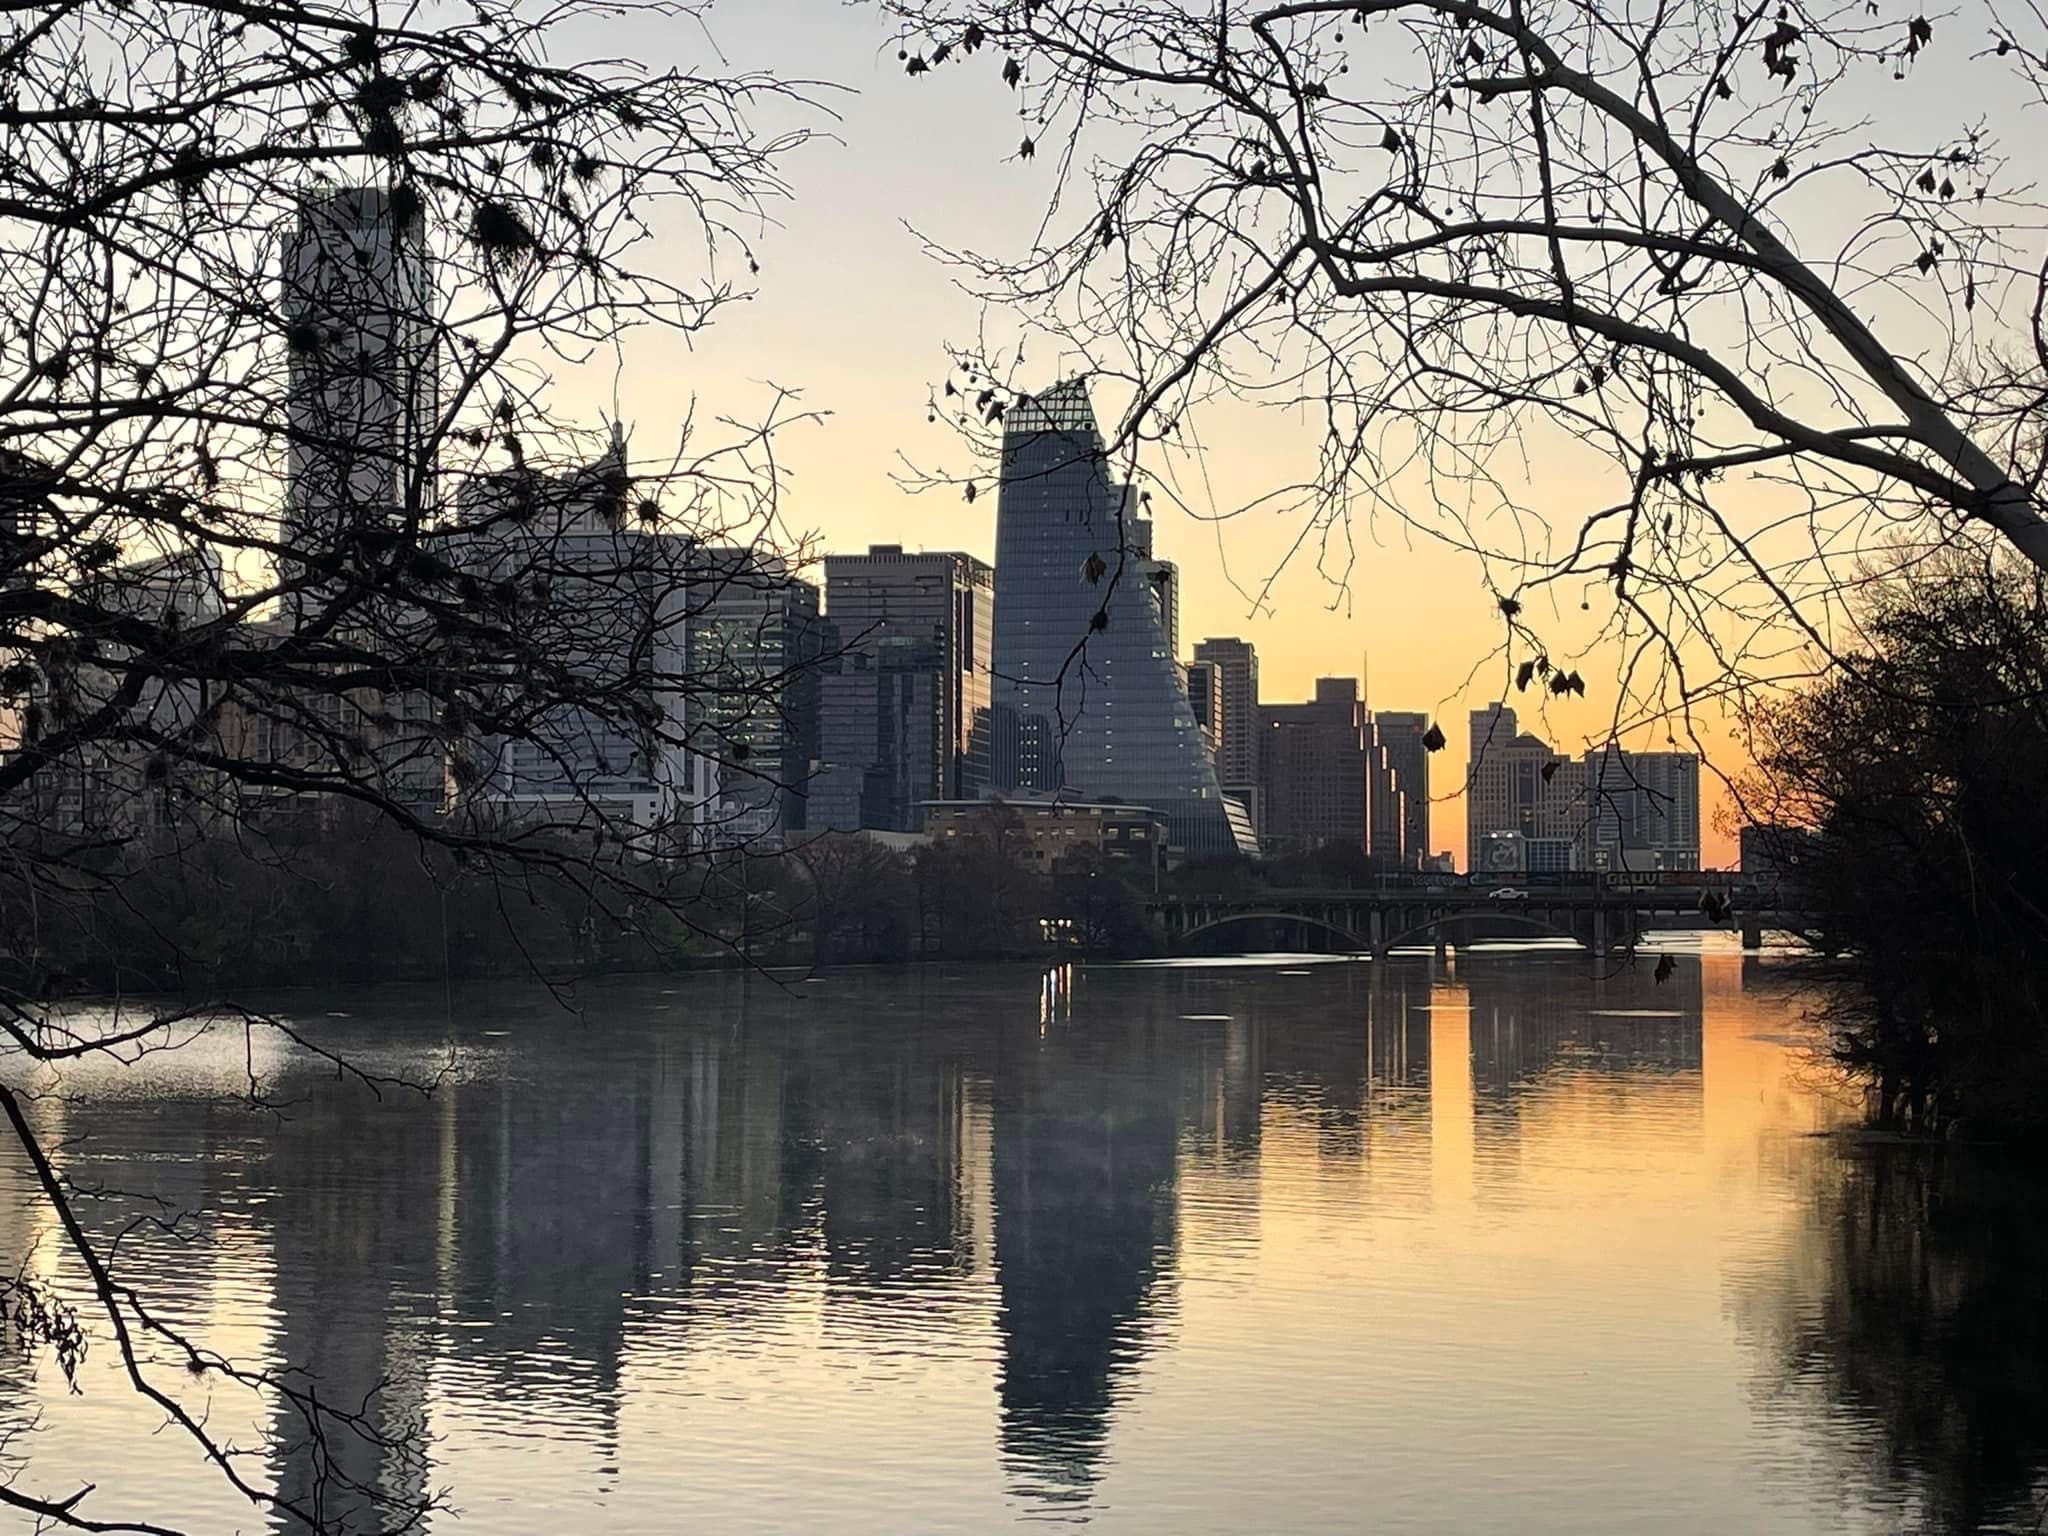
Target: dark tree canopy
1914	776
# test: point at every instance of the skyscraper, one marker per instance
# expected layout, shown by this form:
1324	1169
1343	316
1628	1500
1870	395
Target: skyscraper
362	321
1516	782
881	737
1312	764
755	638
1088	696
1398	734
1642	810
1237	739
941	600
1386	808
616	613
137	773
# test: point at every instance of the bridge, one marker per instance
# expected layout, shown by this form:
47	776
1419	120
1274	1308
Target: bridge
1600	916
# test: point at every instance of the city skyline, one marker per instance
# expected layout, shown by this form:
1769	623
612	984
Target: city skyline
904	713
1419	608
866	765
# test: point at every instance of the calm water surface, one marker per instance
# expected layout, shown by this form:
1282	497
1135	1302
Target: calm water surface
1283	1246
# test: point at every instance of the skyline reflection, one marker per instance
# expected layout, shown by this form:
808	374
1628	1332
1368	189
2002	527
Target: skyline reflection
721	1219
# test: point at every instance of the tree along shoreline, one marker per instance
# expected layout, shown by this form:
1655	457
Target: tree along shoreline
365	902
1915	771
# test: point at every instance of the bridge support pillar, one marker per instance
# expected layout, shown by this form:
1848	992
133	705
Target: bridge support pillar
1752	933
1376	933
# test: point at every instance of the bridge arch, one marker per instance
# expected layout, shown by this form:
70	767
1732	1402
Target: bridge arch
1355	940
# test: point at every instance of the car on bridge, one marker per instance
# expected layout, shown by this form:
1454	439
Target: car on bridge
1507	893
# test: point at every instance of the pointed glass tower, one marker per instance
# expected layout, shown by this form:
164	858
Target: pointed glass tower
1074	563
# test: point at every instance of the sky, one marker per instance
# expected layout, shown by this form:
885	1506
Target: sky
851	311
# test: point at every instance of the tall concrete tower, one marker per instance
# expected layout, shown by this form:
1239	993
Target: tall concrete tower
361	335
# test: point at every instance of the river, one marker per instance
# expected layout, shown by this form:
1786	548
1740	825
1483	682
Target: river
1485	1245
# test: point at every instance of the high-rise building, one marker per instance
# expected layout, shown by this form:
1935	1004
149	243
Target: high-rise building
1516	782
1237	737
1642	810
1088	696
1399	735
1312	762
1386	808
882	714
362	321
755	640
616	616
1205	697
136	773
943	600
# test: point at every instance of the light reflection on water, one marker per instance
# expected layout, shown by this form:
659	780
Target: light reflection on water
1493	1246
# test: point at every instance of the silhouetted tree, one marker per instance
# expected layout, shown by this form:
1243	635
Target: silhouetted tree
860	904
1919	767
976	894
1101	902
1746	276
287	526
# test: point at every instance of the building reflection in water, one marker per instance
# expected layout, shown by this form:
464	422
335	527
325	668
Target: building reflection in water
352	1302
1058	1153
1085	1135
1534	1018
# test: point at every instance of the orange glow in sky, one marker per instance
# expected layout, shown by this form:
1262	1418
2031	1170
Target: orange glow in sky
852	311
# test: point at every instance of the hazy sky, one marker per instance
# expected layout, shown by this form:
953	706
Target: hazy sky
851	311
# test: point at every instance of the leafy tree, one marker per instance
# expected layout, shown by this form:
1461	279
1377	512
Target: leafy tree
1919	768
1101	902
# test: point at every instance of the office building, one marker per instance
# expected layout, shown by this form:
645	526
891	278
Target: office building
1237	735
361	322
882	716
616	616
1312	764
943	601
1043	832
362	325
134	776
1399	734
1386	813
756	638
1517	782
1088	696
1642	810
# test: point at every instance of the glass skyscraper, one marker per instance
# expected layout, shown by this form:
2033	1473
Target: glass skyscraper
943	600
1088	697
